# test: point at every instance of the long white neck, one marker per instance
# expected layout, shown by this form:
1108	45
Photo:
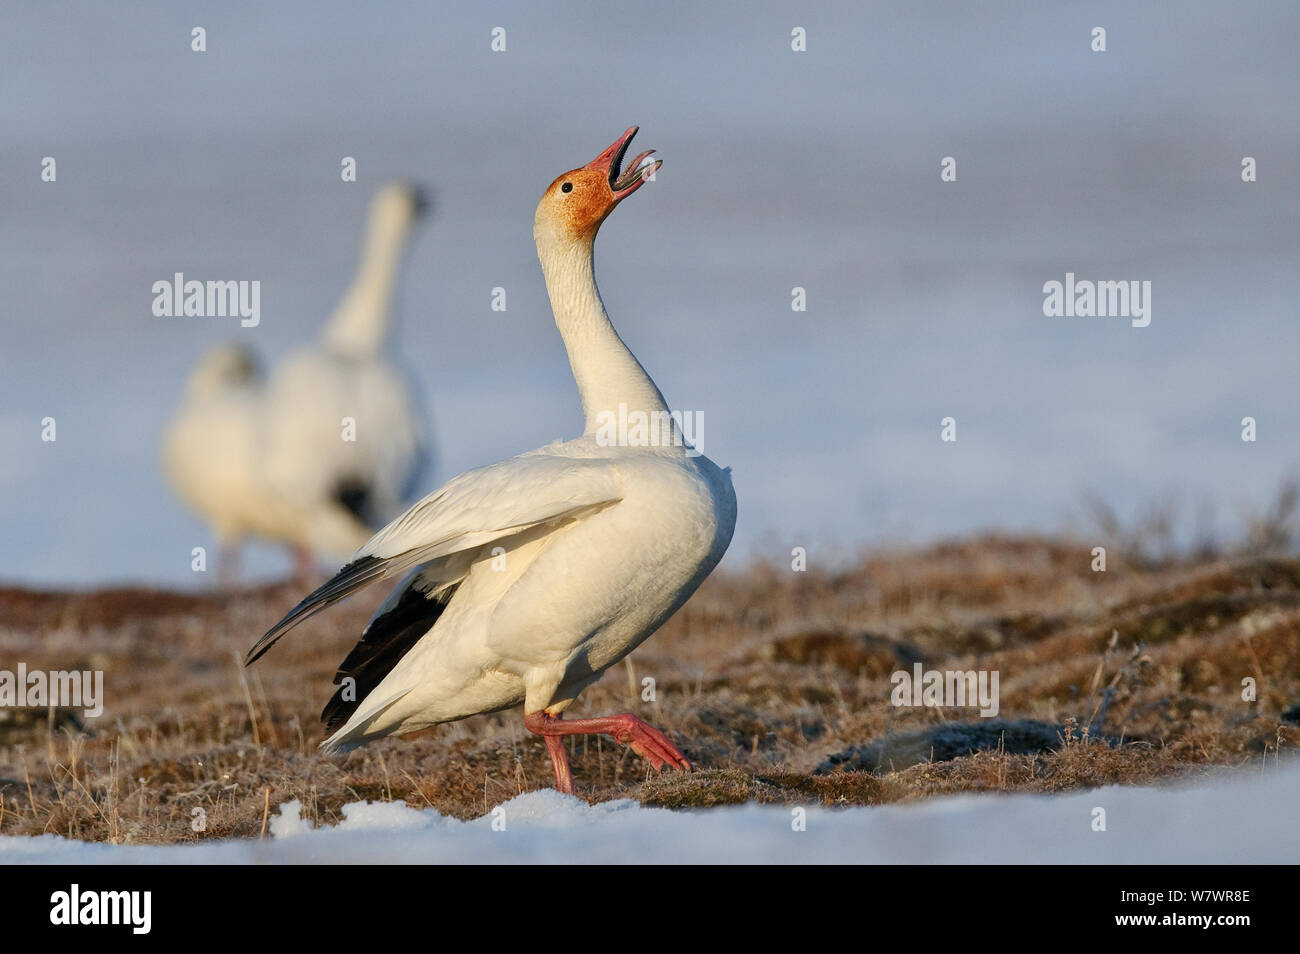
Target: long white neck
607	373
360	323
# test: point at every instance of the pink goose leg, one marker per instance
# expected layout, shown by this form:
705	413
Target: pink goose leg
643	739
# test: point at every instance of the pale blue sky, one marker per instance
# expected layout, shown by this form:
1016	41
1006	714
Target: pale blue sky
818	169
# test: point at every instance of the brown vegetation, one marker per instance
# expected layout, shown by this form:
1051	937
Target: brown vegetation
776	684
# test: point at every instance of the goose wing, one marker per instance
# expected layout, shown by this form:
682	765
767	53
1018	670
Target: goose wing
470	511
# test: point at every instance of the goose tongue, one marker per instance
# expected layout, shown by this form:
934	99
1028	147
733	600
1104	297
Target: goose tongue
610	163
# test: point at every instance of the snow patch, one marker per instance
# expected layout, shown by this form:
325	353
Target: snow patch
289	821
1246	818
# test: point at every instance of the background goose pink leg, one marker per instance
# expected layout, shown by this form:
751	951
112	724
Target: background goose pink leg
643	739
304	564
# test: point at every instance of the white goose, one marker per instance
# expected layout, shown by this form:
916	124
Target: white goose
268	459
346	376
534	575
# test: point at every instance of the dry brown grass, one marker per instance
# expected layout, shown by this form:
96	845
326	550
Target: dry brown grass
775	683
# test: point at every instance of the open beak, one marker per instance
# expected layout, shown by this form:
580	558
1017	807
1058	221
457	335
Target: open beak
610	163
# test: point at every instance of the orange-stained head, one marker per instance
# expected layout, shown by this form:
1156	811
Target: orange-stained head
577	202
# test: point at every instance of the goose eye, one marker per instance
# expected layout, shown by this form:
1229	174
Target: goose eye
567	187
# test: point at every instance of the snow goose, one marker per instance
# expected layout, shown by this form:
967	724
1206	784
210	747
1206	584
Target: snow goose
276	459
212	451
341	428
531	577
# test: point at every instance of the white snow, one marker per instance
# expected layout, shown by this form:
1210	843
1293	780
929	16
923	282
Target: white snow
1248	818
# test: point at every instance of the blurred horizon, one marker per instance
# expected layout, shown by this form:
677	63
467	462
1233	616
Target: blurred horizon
817	169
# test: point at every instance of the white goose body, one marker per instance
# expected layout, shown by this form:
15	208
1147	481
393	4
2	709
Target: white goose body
345	383
211	445
268	459
534	575
539	621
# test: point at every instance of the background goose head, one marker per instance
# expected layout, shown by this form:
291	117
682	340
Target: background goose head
397	206
221	367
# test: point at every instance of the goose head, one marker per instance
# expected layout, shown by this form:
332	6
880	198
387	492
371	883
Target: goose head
576	203
221	368
397	206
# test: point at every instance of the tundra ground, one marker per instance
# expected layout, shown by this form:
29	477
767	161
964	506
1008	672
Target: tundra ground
776	684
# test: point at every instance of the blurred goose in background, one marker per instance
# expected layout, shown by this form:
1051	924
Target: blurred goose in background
326	449
341	428
212	455
530	577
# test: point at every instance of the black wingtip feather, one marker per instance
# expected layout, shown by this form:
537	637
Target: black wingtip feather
388	638
354	576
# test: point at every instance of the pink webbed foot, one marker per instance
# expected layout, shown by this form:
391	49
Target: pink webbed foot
641	737
647	741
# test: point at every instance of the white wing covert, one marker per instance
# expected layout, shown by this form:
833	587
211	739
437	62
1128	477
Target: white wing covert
468	512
